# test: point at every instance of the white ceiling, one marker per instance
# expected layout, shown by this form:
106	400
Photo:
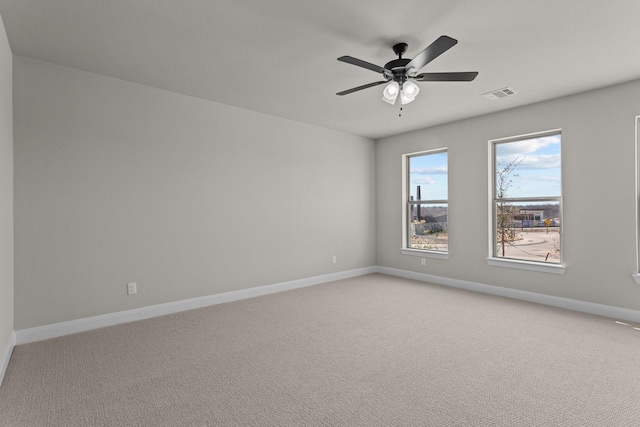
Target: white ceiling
279	57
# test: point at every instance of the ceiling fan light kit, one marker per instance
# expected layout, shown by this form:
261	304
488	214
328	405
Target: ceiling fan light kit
400	73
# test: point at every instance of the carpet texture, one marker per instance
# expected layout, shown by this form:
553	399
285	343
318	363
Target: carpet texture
368	351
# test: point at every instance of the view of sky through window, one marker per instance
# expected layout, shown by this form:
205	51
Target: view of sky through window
428	171
537	166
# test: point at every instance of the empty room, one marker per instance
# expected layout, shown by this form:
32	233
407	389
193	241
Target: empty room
337	213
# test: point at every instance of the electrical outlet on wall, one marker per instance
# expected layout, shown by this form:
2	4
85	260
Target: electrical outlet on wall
334	259
132	288
423	261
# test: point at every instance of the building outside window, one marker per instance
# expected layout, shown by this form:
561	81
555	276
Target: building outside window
526	199
426	202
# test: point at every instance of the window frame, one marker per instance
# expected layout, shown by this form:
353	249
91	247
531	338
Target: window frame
492	259
636	275
407	202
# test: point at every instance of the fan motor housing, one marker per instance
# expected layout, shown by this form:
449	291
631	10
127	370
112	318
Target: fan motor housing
396	63
397	67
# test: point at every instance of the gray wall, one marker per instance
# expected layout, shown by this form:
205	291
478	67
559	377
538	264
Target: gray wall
6	190
598	152
117	182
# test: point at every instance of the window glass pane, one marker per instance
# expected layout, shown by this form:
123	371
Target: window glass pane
528	168
428	177
528	231
428	228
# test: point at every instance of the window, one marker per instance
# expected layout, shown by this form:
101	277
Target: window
526	200
426	207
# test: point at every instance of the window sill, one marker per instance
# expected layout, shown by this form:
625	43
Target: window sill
527	265
425	254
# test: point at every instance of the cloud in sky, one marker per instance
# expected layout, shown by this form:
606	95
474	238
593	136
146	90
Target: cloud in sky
526	146
541	161
537	168
433	170
423	180
531	154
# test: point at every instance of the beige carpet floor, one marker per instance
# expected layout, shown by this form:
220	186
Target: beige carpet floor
368	351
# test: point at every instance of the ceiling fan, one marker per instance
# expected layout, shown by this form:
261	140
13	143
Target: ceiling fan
401	72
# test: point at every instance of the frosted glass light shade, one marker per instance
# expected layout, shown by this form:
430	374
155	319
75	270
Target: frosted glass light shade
409	92
390	92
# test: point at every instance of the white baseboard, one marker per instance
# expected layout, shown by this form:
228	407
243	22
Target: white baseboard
6	355
24	336
569	304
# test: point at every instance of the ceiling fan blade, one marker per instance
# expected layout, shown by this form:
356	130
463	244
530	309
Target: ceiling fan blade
447	77
431	52
361	63
355	89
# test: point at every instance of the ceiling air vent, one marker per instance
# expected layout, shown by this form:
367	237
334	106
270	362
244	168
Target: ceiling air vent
500	93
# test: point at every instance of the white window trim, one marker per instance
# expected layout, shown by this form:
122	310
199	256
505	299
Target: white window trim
636	276
425	253
526	265
405	250
511	262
